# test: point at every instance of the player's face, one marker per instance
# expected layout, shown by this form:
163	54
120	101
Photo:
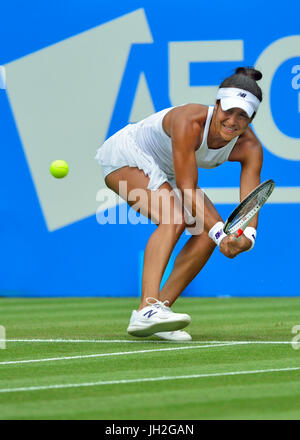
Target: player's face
231	123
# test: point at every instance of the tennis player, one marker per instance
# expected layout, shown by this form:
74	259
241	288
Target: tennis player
162	153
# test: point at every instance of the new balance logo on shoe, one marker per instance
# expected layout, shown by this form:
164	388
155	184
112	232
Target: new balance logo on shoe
150	313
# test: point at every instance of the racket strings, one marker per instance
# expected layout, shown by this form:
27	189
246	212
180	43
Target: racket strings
249	207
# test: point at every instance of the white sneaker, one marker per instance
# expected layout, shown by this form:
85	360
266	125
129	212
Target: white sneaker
177	335
156	317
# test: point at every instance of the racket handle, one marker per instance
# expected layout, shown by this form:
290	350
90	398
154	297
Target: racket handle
238	233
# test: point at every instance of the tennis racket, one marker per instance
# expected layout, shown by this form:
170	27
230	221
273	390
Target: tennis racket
248	208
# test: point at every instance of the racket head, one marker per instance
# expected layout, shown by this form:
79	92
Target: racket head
248	208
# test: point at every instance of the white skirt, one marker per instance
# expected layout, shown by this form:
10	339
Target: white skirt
121	150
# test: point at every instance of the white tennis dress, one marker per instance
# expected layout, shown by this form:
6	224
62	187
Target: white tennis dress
147	146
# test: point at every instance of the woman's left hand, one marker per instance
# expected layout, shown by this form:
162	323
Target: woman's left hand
231	247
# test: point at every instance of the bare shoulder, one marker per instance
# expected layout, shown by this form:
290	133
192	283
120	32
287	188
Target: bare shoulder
247	148
192	113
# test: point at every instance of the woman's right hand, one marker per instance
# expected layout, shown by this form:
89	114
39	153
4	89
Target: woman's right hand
231	247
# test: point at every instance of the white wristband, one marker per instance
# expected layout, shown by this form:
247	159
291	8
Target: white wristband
217	233
250	233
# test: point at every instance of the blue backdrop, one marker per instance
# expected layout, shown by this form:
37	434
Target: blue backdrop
50	249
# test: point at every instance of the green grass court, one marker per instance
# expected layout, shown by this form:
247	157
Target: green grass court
87	367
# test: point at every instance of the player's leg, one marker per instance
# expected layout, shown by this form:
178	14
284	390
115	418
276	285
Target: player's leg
189	262
163	208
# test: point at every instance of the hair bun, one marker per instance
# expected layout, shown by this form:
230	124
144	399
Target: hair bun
252	73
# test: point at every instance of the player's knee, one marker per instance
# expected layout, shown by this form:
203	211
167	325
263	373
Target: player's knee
175	225
178	226
179	229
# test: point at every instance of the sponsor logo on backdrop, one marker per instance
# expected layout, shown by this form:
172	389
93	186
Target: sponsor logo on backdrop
296	82
77	121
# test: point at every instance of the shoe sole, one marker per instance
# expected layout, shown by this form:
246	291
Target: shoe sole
157	327
172	338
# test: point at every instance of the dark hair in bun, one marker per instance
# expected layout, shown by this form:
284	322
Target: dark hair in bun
249	71
245	78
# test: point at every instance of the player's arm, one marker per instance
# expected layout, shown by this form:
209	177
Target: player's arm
250	155
185	134
251	164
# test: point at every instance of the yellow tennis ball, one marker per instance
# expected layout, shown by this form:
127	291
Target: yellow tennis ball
59	168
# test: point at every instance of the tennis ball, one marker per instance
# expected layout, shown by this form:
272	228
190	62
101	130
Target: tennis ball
59	168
